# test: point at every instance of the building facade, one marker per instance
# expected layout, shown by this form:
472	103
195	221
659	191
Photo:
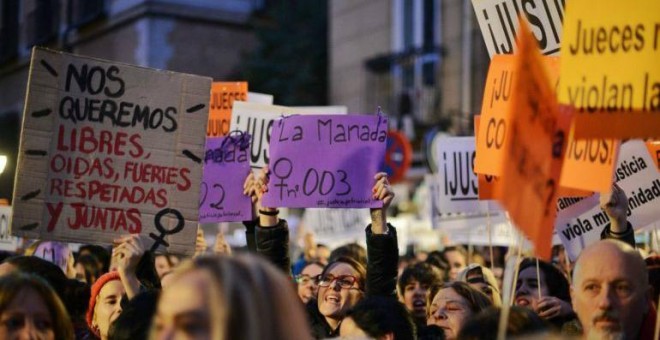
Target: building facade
203	37
422	61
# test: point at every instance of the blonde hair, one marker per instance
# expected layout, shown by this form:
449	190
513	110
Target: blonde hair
249	298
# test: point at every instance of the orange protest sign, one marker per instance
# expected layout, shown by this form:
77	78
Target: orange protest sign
486	182
589	163
495	115
654	150
535	147
223	95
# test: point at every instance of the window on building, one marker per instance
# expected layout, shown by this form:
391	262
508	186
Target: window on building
83	12
417	47
8	30
43	21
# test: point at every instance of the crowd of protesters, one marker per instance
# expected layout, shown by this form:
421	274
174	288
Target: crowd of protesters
127	292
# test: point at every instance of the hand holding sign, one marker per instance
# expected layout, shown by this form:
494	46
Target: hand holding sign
126	255
382	191
615	205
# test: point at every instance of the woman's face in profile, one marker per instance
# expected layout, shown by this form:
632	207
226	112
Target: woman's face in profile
183	309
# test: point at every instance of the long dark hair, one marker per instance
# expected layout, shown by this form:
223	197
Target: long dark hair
555	280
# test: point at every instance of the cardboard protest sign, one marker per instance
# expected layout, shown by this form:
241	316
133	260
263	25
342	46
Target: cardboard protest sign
325	161
610	69
332	225
257	120
582	223
109	149
535	148
7	242
223	94
226	166
499	24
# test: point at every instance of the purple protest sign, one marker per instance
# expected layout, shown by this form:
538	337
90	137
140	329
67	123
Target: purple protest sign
226	165
325	161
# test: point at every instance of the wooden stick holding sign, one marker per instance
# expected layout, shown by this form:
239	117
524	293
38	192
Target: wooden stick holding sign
109	149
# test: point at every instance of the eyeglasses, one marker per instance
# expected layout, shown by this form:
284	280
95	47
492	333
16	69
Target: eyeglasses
304	279
343	281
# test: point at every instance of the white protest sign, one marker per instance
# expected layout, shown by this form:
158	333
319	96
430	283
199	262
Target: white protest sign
260	98
109	149
321	110
7	242
457	184
582	223
332	226
498	21
257	120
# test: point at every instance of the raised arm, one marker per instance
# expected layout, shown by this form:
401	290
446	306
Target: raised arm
382	247
615	205
272	233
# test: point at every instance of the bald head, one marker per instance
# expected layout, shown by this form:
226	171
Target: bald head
610	290
620	251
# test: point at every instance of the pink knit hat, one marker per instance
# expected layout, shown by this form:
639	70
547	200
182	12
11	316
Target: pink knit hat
96	289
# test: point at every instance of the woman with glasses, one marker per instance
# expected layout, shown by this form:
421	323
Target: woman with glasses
344	281
307	281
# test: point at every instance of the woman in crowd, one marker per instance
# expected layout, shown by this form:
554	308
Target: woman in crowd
454	303
307	281
482	279
220	297
30	309
522	323
105	304
344	281
554	304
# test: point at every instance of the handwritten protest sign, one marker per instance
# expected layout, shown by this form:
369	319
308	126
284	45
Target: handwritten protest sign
7	242
223	95
610	69
109	149
499	24
535	149
582	223
257	120
325	161
57	253
225	164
